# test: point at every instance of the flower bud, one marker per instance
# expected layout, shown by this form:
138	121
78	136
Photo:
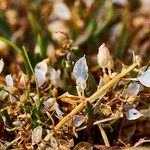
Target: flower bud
24	80
104	58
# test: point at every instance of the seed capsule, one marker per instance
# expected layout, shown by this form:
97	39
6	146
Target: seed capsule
104	58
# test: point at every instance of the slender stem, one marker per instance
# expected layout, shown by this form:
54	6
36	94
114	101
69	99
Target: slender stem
104	136
98	94
31	68
16	48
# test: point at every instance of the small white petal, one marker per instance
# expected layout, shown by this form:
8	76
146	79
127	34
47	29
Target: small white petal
54	76
61	11
58	111
142	70
40	76
42	66
145	78
36	135
81	84
12	99
88	2
9	80
53	142
132	89
101	83
78	120
80	70
133	114
47	104
1	65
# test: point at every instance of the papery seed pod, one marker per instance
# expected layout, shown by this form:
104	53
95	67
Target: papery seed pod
104	58
53	142
24	79
9	80
36	135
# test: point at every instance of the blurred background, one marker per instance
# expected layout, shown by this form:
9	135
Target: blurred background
51	28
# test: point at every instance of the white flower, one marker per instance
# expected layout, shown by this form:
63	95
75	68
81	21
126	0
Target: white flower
1	65
145	78
42	66
40	76
80	72
9	80
132	89
133	114
47	104
40	72
36	135
58	111
61	11
54	76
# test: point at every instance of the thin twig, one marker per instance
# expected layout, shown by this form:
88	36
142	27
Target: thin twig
98	122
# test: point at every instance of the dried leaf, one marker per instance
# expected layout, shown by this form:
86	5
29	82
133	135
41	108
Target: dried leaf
133	114
68	98
36	135
83	146
105	109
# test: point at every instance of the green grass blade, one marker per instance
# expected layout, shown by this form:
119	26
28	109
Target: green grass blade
32	70
16	48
